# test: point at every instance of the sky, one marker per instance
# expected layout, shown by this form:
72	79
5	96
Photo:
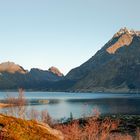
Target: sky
61	33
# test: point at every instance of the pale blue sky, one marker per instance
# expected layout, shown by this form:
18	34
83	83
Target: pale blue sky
61	33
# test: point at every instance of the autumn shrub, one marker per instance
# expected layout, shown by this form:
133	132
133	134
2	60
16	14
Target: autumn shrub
40	116
18	108
138	134
17	105
119	136
95	127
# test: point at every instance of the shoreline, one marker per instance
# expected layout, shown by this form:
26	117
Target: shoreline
3	105
78	91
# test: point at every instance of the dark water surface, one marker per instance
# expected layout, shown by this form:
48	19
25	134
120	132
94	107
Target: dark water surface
61	104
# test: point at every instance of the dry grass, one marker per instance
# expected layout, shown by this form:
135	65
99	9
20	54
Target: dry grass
18	129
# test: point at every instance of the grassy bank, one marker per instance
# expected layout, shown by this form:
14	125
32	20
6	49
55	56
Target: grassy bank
12	128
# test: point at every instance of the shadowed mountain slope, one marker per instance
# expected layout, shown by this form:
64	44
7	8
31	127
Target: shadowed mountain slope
13	76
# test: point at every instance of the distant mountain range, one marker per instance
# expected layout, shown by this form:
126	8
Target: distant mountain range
13	76
114	68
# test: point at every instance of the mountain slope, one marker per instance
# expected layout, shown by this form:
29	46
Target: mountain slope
116	67
13	76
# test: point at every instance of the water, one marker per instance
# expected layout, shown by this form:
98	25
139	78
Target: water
81	104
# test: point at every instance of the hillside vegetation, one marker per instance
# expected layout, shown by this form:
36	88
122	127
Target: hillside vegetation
12	128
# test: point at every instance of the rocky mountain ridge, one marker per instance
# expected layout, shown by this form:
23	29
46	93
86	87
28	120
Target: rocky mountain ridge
13	76
55	71
113	68
11	67
125	39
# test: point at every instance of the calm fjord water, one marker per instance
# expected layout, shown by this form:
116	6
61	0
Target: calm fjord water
61	104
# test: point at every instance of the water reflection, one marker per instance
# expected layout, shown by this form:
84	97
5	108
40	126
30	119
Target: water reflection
60	105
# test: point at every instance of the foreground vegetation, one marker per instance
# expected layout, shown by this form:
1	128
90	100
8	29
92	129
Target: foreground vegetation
102	128
93	128
12	128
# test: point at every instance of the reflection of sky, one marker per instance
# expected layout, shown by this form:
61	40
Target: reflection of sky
68	96
85	108
83	104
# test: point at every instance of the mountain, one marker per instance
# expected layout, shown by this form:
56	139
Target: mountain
11	68
114	68
13	76
55	71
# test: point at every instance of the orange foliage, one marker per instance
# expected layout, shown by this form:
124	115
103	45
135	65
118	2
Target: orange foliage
95	128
